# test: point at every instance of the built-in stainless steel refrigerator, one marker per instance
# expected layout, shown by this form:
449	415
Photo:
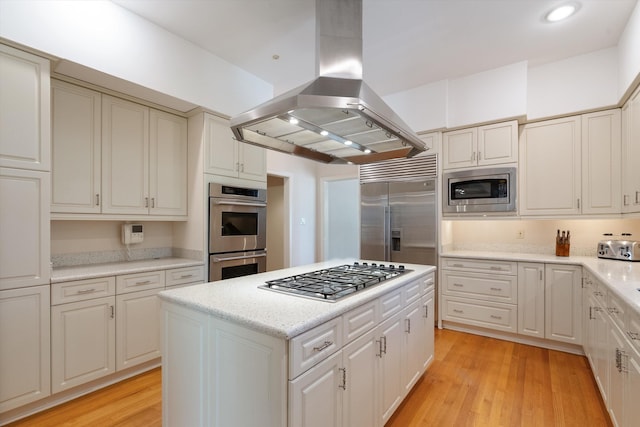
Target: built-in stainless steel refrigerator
398	222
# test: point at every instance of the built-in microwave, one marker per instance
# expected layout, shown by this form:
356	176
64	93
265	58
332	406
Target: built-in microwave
480	191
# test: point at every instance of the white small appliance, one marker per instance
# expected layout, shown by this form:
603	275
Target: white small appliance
132	233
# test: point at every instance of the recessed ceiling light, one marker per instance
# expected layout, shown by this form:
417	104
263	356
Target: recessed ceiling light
561	12
324	133
293	121
347	142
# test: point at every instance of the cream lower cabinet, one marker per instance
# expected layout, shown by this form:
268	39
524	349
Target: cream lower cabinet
82	342
353	370
531	299
25	346
563	303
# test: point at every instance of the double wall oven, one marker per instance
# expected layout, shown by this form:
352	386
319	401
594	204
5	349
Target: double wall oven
237	231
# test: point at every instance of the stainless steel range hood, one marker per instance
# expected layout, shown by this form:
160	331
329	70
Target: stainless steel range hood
335	118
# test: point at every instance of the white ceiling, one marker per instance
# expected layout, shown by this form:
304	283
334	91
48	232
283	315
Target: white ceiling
407	43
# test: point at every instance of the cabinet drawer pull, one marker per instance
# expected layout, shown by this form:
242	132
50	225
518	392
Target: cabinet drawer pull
186	276
459	285
613	310
324	346
459	265
146	202
598	294
153	202
496	289
97	199
145	282
86	291
495	267
426	311
113	312
458	311
408	323
344	378
379	342
633	335
493	316
384	344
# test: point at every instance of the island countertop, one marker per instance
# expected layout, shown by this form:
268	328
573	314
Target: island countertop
241	301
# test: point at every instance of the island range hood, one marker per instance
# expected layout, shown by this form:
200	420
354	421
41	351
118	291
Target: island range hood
335	118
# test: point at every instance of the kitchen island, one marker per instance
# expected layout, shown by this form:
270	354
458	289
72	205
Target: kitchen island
238	355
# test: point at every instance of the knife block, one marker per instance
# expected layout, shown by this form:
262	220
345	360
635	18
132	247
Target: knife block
563	249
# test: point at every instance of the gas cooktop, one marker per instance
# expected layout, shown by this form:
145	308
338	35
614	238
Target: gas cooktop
331	284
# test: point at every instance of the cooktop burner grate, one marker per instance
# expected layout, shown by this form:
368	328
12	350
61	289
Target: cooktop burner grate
333	283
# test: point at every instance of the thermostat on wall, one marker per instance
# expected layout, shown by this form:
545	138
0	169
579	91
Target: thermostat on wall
132	233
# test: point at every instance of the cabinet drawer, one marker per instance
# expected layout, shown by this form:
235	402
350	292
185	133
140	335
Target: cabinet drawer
483	266
390	304
180	276
429	282
616	309
358	321
139	282
313	346
413	291
485	314
80	290
490	287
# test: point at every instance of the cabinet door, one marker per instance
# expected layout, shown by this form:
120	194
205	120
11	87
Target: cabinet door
24	353
601	157
602	341
125	157
616	359
76	145
137	328
253	162
168	164
531	299
221	150
391	366
459	148
428	320
24	228
632	389
563	303
414	341
631	154
314	397
549	168
361	359
498	143
82	342
25	121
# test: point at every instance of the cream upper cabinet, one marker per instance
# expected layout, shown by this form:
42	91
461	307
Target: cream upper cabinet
125	157
227	157
549	167
24	228
631	154
481	146
25	138
601	157
144	160
168	164
24	354
76	145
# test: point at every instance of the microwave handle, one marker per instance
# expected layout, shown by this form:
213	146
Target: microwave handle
237	203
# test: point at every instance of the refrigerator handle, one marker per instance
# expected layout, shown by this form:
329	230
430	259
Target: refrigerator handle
387	233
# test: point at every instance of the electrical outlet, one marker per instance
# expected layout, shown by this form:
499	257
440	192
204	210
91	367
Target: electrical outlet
520	234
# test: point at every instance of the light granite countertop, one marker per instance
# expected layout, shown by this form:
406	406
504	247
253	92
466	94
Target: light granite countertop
622	277
80	272
284	316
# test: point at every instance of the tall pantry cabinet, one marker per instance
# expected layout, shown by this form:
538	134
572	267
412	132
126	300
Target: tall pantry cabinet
24	227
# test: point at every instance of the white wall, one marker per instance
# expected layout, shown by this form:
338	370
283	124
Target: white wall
629	52
105	37
422	108
302	199
575	84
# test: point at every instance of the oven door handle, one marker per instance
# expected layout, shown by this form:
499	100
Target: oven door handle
236	203
233	258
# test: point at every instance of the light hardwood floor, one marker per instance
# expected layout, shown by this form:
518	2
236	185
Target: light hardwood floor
473	381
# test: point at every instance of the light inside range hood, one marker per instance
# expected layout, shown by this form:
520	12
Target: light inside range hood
335	118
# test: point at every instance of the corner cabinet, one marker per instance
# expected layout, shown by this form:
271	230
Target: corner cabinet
481	146
353	370
631	154
569	166
226	156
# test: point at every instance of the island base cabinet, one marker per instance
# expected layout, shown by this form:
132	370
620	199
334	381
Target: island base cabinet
216	373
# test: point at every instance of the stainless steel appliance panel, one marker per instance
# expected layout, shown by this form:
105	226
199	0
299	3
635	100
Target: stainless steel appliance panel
374	221
230	265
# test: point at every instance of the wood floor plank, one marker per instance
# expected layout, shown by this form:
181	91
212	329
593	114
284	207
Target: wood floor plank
473	381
